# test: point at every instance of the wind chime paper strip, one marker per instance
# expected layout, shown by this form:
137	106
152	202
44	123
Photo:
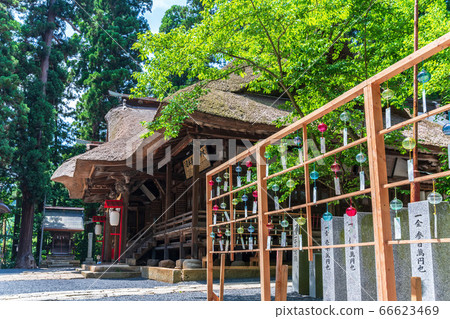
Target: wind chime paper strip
242	243
397	228
213	244
239	184
345	136
435	225
300	156
388	117
249	175
226	216
267	169
255	207
300	241
314	194
221	244
215	219
410	170
283	162
269	239
225	186
246	213
227	245
424	100
322	145
234	213
218	190
250	243
277	203
283	239
362	181
448	155
337	185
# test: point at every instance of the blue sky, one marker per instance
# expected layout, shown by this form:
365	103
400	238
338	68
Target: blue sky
159	7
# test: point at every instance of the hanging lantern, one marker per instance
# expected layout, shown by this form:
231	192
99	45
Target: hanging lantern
218	180
387	95
344	118
249	171
335	167
322	127
423	77
267	157
276	188
98	229
114	216
255	202
409	144
314	175
238	178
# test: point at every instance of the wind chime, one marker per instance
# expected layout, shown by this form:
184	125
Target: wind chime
423	77
227	242
249	171
335	167
255	202
446	131
215	209
300	221
351	211
213	236
298	143
226	176
235	201
322	127
327	216
361	158
219	235
211	183
387	95
434	198
344	118
314	175
250	229
396	205
223	205
283	153
240	231
269	226
244	199
284	223
267	157
409	143
290	184
218	180
276	201
238	178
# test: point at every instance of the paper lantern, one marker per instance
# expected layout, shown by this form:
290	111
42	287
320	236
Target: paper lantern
98	229
114	216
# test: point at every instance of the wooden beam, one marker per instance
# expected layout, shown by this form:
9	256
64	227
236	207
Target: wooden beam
148	193
380	197
209	255
263	232
160	188
222	276
181	145
307	193
416	289
195	208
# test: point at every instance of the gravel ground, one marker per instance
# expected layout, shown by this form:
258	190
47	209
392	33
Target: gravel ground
40	286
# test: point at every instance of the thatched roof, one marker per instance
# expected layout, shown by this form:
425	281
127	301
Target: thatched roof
4	209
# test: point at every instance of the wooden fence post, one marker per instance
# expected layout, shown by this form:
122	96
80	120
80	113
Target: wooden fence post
416	289
222	276
384	257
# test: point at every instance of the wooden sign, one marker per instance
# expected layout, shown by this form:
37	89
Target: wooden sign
188	163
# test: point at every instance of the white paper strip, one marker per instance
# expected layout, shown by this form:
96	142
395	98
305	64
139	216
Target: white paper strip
314	194
345	136
283	161
397	228
255	207
246	211
267	169
277	203
238	181
322	145
242	242
212	193
435	226
222	219
226	216
249	175
215	219
283	239
337	185
448	155
227	245
300	156
218	190
388	117
250	243
225	186
362	181
221	244
300	241
269	239
424	100
410	170
234	213
213	244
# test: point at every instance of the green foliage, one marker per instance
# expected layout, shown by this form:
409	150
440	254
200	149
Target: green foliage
186	16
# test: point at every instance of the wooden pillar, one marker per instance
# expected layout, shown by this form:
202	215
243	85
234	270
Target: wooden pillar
416	289
126	199
415	187
209	267
195	209
307	193
107	238
263	232
167	206
380	197
222	276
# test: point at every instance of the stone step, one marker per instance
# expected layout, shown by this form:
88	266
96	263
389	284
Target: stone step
111	275
112	269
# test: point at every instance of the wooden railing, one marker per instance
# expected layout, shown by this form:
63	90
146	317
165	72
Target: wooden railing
370	90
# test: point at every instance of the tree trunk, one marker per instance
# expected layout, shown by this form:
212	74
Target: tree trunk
47	38
16	230
24	254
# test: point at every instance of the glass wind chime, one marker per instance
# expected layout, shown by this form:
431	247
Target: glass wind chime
361	158
215	209
327	216
298	143
267	157
223	205
211	183
235	201
314	175
446	131
249	171
244	199
301	221
238	170
335	167
344	118
283	153
351	211
213	236
240	231
276	201
396	205
255	202
434	198
269	226
284	223
322	127
226	176
387	95
290	184
409	143
423	77
227	242
218	180
250	229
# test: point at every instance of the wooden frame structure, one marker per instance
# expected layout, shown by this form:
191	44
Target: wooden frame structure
378	190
